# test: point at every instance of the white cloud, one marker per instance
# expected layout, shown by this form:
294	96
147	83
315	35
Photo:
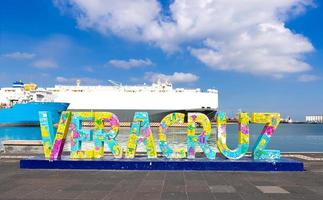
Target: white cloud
308	78
176	77
45	64
19	55
246	36
73	80
55	45
88	69
131	63
126	18
269	49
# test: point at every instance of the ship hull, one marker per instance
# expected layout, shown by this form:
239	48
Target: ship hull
26	114
154	115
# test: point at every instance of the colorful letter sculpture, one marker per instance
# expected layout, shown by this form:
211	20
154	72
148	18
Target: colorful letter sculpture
271	120
54	150
168	120
47	132
243	136
202	139
141	119
100	136
80	135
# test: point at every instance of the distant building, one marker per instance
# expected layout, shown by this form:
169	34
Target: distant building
314	118
288	119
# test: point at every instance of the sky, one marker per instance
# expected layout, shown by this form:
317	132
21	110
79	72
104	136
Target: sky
262	56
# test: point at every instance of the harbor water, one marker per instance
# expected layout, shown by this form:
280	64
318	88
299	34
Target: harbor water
287	138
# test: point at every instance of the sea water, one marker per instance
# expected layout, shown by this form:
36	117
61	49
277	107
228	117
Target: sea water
287	138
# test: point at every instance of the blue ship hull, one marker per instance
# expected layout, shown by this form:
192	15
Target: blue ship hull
27	113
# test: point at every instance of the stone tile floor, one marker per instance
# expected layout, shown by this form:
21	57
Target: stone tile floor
140	185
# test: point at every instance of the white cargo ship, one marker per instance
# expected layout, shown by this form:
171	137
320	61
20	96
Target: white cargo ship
157	99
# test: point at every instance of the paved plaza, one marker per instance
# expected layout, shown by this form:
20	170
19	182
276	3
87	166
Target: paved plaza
16	183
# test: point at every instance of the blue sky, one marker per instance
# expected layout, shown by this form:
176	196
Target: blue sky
260	56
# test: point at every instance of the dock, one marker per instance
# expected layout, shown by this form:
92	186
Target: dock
16	183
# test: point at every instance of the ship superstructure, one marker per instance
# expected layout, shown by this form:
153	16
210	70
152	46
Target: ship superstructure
23	93
20	104
157	99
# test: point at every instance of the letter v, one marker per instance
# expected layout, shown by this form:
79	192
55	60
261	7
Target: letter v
53	149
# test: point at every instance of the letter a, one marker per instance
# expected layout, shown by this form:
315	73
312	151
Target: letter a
141	119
